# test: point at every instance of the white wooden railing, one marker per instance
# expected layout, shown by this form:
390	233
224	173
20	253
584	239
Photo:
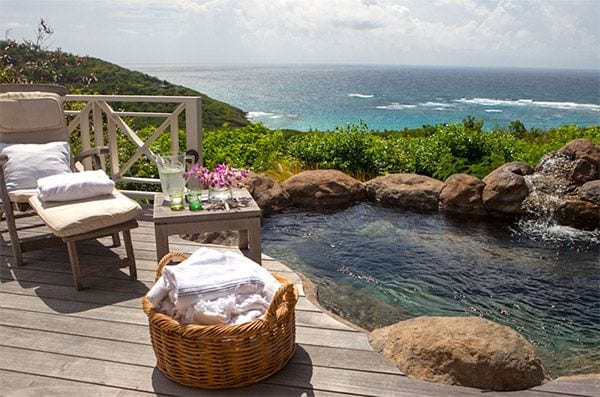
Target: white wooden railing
98	119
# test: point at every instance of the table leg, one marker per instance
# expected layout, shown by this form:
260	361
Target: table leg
255	249
243	239
162	241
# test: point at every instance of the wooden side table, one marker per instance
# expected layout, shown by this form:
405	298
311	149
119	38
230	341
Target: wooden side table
245	219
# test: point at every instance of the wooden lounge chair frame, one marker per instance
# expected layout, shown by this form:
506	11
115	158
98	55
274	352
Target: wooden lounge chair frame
20	245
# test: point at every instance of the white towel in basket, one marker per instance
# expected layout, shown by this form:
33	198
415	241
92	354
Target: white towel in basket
212	287
201	256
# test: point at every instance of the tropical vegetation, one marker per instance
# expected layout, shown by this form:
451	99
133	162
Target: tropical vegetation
438	151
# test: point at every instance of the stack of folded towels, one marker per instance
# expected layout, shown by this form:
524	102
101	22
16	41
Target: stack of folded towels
74	186
214	287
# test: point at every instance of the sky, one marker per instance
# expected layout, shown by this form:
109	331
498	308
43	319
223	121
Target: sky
497	33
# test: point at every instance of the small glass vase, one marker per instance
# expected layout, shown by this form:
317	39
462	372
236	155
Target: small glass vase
220	194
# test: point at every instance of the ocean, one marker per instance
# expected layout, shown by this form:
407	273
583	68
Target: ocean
321	97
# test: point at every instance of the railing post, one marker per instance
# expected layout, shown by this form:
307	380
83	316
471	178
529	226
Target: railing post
193	125
84	127
174	134
113	146
98	131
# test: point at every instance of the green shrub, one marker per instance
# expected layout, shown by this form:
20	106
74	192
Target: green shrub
352	149
253	146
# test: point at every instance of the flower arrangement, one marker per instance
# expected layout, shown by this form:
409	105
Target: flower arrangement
223	176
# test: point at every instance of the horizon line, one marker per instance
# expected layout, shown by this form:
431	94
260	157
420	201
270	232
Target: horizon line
276	64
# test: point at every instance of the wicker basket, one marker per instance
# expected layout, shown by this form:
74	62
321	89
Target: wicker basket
224	356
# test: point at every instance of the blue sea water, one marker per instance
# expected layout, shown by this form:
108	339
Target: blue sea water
304	97
376	266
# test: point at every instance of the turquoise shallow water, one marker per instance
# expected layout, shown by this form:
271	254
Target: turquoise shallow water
304	97
376	266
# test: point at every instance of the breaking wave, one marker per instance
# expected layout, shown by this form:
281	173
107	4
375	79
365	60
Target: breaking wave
257	115
435	105
361	95
396	106
530	102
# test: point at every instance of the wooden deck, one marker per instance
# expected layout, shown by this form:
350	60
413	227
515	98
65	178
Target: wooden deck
55	341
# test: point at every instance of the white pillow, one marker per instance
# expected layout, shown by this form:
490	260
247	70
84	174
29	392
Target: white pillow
29	162
75	186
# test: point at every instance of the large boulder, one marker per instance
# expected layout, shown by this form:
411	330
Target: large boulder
579	214
586	151
409	191
516	167
505	189
566	170
323	189
461	194
268	193
466	351
590	191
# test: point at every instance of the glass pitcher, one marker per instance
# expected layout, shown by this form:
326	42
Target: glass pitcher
171	169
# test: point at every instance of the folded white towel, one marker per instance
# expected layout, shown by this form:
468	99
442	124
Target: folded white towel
158	292
74	186
213	287
211	274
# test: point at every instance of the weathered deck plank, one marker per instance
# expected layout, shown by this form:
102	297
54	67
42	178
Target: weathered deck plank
56	341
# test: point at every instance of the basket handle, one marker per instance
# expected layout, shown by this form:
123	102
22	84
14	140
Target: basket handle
168	258
286	291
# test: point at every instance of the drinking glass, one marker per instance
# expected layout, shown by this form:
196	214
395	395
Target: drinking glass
176	198
194	198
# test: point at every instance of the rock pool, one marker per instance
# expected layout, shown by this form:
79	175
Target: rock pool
376	266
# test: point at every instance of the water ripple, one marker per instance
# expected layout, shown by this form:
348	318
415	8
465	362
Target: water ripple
376	266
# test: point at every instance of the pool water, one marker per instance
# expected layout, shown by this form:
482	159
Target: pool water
376	266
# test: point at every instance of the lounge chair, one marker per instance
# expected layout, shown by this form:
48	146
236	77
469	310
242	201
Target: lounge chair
37	118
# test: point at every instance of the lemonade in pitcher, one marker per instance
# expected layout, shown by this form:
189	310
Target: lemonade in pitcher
171	170
171	179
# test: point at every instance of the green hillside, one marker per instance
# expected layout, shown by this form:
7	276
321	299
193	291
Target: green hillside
28	63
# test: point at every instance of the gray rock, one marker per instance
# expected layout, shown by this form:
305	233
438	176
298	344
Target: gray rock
566	169
323	189
461	194
409	191
268	193
579	214
590	191
584	149
516	167
504	191
466	351
227	238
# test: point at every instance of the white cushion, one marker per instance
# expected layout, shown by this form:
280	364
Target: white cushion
75	186
30	111
70	218
29	162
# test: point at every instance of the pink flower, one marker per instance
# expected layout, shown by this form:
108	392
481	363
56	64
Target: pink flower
222	176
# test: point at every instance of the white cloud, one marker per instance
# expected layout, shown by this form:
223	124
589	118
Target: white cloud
128	31
488	32
12	25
